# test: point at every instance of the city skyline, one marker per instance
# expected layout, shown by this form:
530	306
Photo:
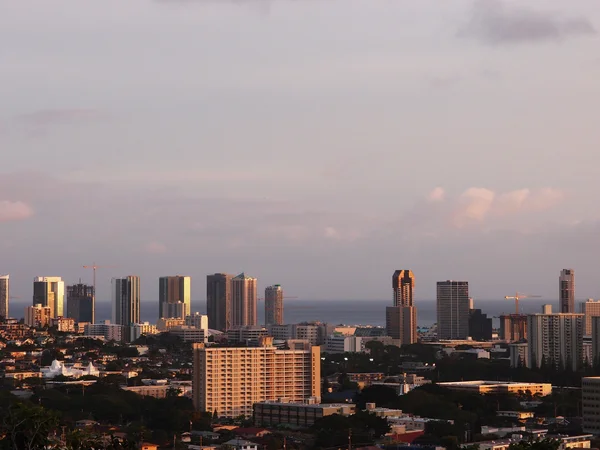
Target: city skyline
461	96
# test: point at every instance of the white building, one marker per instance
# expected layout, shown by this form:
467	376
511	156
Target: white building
197	320
556	339
343	344
107	330
59	368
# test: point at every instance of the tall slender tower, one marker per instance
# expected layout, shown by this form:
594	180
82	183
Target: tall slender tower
566	283
81	303
401	319
218	301
274	305
126	300
49	291
243	301
4	295
453	309
174	297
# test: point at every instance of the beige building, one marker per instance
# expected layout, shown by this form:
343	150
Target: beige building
230	380
590	308
49	291
174	297
274	305
401	318
302	415
243	301
65	324
38	315
495	387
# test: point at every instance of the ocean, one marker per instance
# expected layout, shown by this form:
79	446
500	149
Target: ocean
348	312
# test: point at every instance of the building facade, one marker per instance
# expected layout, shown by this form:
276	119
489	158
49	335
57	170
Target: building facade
38	316
243	301
401	317
555	339
230	380
106	330
590	308
513	327
452	309
590	404
81	303
49	291
566	291
480	326
218	301
344	344
126	300
274	305
174	297
303	415
4	295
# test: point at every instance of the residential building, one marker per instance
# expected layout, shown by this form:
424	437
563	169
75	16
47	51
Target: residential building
401	317
190	334
480	326
81	303
244	334
302	415
343	344
38	316
197	320
453	309
518	354
218	301
174	297
126	300
314	332
4	295
166	324
106	330
49	291
274	305
229	380
138	329
595	341
566	291
513	327
243	301
555	339
590	308
590	404
64	324
498	387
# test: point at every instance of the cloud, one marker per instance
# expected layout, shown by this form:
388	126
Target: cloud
437	195
155	248
11	211
493	22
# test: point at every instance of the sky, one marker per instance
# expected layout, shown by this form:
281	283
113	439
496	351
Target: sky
319	144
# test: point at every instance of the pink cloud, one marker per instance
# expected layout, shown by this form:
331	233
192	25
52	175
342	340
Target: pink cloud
11	211
155	248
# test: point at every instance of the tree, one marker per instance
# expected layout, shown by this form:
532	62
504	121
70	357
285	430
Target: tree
27	427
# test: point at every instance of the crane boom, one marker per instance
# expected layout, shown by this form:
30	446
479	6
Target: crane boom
519	296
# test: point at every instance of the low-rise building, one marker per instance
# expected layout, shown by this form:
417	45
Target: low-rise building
64	324
109	331
498	387
190	334
343	344
302	415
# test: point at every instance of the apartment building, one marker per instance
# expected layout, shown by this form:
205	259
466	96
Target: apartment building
556	339
302	415
229	380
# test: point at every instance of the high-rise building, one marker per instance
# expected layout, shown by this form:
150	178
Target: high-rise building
274	305
174	299
218	301
589	309
513	327
126	300
229	380
401	318
555	339
81	303
566	291
4	295
49	291
38	315
452	309
595	360
243	301
590	404
480	326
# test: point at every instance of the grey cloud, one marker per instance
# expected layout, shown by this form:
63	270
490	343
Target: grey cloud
494	22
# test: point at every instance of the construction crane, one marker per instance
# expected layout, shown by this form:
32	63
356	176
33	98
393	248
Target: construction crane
518	297
94	267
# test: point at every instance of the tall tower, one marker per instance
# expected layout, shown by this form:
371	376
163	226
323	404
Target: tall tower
174	297
566	283
274	305
243	301
81	303
401	319
218	301
452	309
126	300
49	291
4	295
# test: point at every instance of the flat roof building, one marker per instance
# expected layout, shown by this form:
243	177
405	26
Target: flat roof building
498	387
302	415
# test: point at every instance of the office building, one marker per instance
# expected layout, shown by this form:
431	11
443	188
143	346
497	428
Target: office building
590	308
566	291
218	301
4	295
49	291
401	317
174	297
81	303
190	334
246	335
452	309
38	316
303	415
126	300
243	301
555	339
344	344
480	326
513	327
274	305
230	380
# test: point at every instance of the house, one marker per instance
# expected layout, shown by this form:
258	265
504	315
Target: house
241	444
248	433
